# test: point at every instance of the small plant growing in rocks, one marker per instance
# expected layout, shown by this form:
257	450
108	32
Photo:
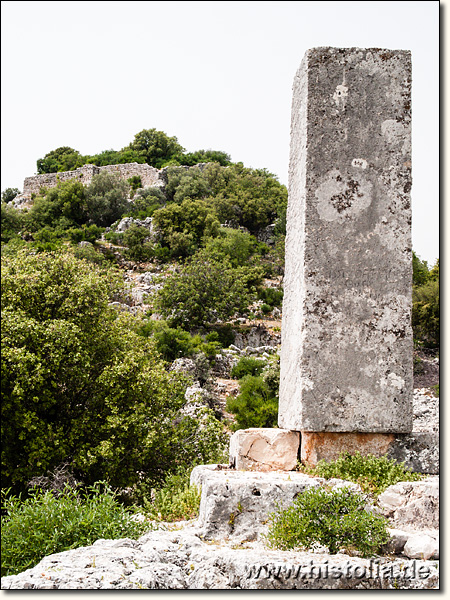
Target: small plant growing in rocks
373	474
337	519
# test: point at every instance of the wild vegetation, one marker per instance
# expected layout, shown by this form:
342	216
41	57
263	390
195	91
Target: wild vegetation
91	388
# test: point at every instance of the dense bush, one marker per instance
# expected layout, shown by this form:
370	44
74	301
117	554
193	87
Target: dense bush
426	308
61	159
241	197
205	291
373	474
182	227
71	204
12	221
9	194
175	342
233	245
81	386
247	365
271	296
255	406
46	523
139	246
145	202
336	519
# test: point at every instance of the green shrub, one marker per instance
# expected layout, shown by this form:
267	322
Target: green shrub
271	296
332	518
175	500
204	291
46	523
426	313
136	239
135	182
248	365
373	474
266	309
255	406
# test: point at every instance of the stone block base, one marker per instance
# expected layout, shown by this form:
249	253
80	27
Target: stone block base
237	504
419	451
264	449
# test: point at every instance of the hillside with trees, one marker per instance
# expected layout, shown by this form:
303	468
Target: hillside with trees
140	325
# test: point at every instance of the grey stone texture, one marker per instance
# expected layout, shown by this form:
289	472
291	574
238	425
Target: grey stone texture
346	354
181	560
237	504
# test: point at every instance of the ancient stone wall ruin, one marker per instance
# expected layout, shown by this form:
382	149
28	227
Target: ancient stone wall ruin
150	176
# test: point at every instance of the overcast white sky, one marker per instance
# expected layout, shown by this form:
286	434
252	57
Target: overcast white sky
218	75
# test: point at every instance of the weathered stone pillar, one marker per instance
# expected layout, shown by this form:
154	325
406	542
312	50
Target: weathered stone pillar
346	353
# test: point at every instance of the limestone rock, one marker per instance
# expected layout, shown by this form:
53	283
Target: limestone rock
346	333
264	449
173	560
237	504
396	542
412	505
421	546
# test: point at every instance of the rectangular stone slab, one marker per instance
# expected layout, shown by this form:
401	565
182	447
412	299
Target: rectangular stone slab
346	353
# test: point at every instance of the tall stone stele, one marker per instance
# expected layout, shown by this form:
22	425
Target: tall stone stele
346	353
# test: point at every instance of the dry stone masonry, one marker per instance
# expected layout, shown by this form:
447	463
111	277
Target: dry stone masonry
149	176
346	353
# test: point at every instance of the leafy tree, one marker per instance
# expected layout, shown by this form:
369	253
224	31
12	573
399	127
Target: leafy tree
250	198
9	194
80	386
61	159
420	270
115	157
106	199
232	244
205	156
155	147
63	206
136	238
253	198
203	291
181	227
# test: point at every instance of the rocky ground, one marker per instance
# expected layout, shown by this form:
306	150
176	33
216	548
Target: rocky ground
180	557
172	557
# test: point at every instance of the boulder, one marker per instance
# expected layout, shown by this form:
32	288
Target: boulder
412	505
421	546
